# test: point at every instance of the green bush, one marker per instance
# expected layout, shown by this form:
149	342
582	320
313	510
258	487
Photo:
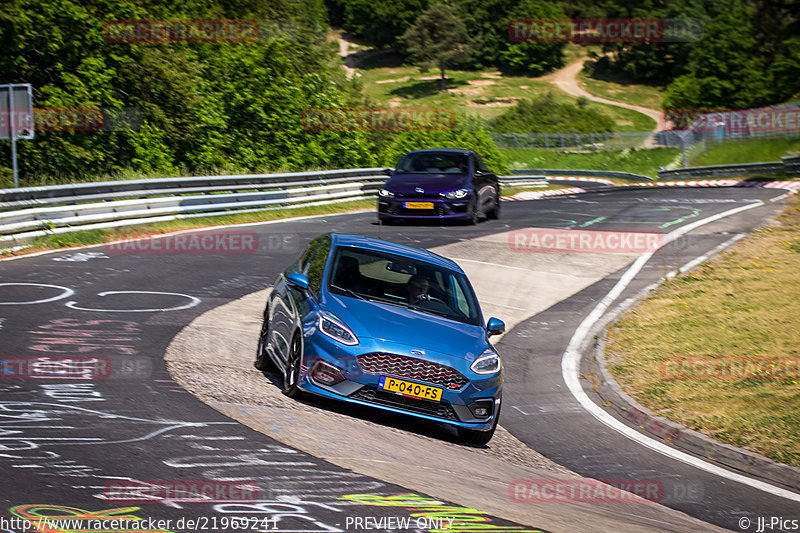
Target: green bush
459	137
546	115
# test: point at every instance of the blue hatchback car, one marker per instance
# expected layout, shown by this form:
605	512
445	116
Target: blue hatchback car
388	326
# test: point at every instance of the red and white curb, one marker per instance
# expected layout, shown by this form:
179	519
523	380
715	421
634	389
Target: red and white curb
535	195
580	178
792	186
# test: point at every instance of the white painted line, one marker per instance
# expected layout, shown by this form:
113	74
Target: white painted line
457	259
703	258
570	368
208	228
67	293
192	302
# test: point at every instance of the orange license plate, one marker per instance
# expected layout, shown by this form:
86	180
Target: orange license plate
418	205
407	388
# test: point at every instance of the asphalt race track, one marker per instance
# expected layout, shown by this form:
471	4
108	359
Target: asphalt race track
79	448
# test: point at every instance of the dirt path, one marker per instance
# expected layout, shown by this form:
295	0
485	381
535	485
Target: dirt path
566	79
344	47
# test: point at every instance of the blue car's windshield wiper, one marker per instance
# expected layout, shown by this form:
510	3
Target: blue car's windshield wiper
348	292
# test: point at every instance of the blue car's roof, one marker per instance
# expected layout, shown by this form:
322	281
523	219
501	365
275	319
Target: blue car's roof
346	239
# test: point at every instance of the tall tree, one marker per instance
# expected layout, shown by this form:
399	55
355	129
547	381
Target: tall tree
438	38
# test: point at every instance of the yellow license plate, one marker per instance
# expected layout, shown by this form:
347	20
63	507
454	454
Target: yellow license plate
407	388
419	205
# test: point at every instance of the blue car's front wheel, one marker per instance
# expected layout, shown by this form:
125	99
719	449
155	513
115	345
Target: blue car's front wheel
478	437
291	374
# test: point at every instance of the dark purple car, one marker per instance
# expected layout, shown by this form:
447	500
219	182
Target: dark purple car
440	184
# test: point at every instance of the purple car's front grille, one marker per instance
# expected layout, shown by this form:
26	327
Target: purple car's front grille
405	367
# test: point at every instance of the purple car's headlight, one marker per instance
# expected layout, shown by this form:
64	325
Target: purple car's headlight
460	193
334	328
385	193
487	363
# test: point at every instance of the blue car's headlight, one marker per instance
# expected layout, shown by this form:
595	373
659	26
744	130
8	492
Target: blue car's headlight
460	193
386	193
334	328
487	363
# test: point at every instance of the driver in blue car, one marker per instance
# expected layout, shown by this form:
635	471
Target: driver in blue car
417	288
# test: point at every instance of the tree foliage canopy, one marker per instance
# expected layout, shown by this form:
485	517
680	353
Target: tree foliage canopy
202	105
438	38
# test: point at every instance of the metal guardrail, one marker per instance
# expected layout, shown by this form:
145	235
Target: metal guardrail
30	212
787	165
584	173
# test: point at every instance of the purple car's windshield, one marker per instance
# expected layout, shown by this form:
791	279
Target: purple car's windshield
433	163
372	275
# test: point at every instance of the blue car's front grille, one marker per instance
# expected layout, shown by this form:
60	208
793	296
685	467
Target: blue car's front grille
425	407
405	367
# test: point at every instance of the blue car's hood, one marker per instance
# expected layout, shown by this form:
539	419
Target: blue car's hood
407	326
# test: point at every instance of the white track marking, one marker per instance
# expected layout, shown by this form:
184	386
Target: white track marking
67	293
193	302
570	368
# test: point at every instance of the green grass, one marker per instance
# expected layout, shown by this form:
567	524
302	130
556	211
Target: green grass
485	93
736	309
620	90
643	162
466	89
746	151
99	236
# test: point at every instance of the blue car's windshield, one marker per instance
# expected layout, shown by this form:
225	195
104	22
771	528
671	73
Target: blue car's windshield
433	163
383	277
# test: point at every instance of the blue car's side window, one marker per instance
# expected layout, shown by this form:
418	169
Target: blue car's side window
461	302
313	264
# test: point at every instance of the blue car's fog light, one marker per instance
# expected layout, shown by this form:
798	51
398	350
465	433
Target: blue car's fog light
334	328
326	373
482	408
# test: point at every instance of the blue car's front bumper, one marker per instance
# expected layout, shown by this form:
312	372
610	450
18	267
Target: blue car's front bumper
361	387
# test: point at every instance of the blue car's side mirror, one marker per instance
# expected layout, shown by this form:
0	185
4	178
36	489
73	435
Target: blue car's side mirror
297	281
495	326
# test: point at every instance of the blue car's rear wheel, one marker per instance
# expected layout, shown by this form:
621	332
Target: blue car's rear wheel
263	361
291	374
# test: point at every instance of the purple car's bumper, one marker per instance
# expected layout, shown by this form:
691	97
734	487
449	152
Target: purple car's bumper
413	208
